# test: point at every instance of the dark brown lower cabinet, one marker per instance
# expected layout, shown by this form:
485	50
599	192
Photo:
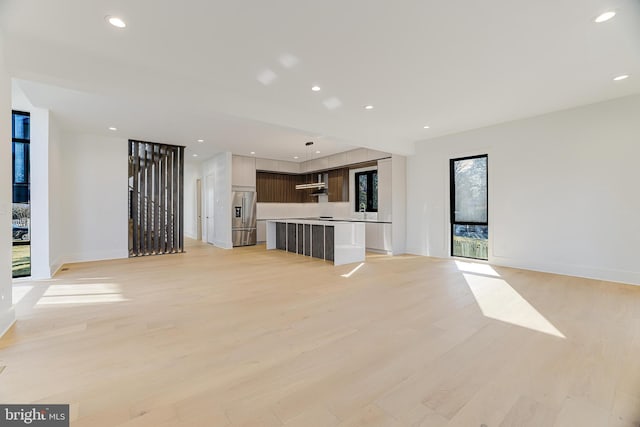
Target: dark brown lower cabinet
291	238
281	236
307	239
300	238
328	243
317	241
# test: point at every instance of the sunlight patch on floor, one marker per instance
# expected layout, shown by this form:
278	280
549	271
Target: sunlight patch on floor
356	268
94	293
476	267
498	300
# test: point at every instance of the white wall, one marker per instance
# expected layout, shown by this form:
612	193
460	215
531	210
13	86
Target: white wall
191	175
398	204
219	166
46	182
56	193
94	197
563	191
7	315
39	158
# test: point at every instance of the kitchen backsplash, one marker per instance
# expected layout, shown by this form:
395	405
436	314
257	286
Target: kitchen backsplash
305	210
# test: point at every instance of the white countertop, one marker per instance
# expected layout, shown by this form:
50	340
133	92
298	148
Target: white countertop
323	221
308	221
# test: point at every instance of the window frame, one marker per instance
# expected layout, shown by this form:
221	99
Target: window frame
369	174
452	200
26	157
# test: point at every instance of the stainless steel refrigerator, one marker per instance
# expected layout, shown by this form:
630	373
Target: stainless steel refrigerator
243	218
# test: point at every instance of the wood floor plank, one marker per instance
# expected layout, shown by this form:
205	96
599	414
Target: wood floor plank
249	337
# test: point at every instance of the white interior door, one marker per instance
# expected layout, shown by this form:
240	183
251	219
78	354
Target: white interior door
199	209
209	205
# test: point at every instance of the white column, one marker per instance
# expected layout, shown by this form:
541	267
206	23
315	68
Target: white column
40	259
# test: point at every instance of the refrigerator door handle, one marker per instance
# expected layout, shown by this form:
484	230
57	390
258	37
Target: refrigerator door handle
244	213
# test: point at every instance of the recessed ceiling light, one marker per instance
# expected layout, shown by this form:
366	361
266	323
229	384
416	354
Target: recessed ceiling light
115	21
113	128
425	127
368	107
195	155
622	77
201	140
295	157
315	88
317	151
605	17
253	152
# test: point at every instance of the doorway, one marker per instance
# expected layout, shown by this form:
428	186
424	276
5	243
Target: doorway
469	207
210	204
199	209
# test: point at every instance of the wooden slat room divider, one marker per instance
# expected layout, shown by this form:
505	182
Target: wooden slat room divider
156	198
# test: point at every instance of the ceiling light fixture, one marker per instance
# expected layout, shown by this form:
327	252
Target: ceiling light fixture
194	155
201	140
315	88
317	151
425	127
604	17
253	152
368	107
296	157
621	77
115	21
320	184
113	128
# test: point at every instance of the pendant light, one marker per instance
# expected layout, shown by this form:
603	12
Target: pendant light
318	184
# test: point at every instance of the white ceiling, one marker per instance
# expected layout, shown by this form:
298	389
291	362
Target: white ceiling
193	69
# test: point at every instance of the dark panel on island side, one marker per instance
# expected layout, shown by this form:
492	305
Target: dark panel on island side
291	238
281	236
307	240
328	243
300	238
317	241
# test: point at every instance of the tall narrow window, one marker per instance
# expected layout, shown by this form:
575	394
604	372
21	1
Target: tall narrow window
469	207
21	207
367	191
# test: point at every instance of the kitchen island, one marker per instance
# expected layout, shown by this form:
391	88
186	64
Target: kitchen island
341	242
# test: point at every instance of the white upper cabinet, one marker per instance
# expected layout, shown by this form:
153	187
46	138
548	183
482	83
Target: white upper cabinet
357	156
337	160
360	155
269	165
243	171
315	165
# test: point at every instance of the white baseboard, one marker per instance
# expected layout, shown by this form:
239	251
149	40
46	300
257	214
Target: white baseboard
94	256
587	272
6	321
608	275
222	245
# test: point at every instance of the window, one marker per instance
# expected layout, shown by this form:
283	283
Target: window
20	150
469	207
367	191
21	208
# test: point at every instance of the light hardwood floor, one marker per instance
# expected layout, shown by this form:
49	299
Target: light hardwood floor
250	337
